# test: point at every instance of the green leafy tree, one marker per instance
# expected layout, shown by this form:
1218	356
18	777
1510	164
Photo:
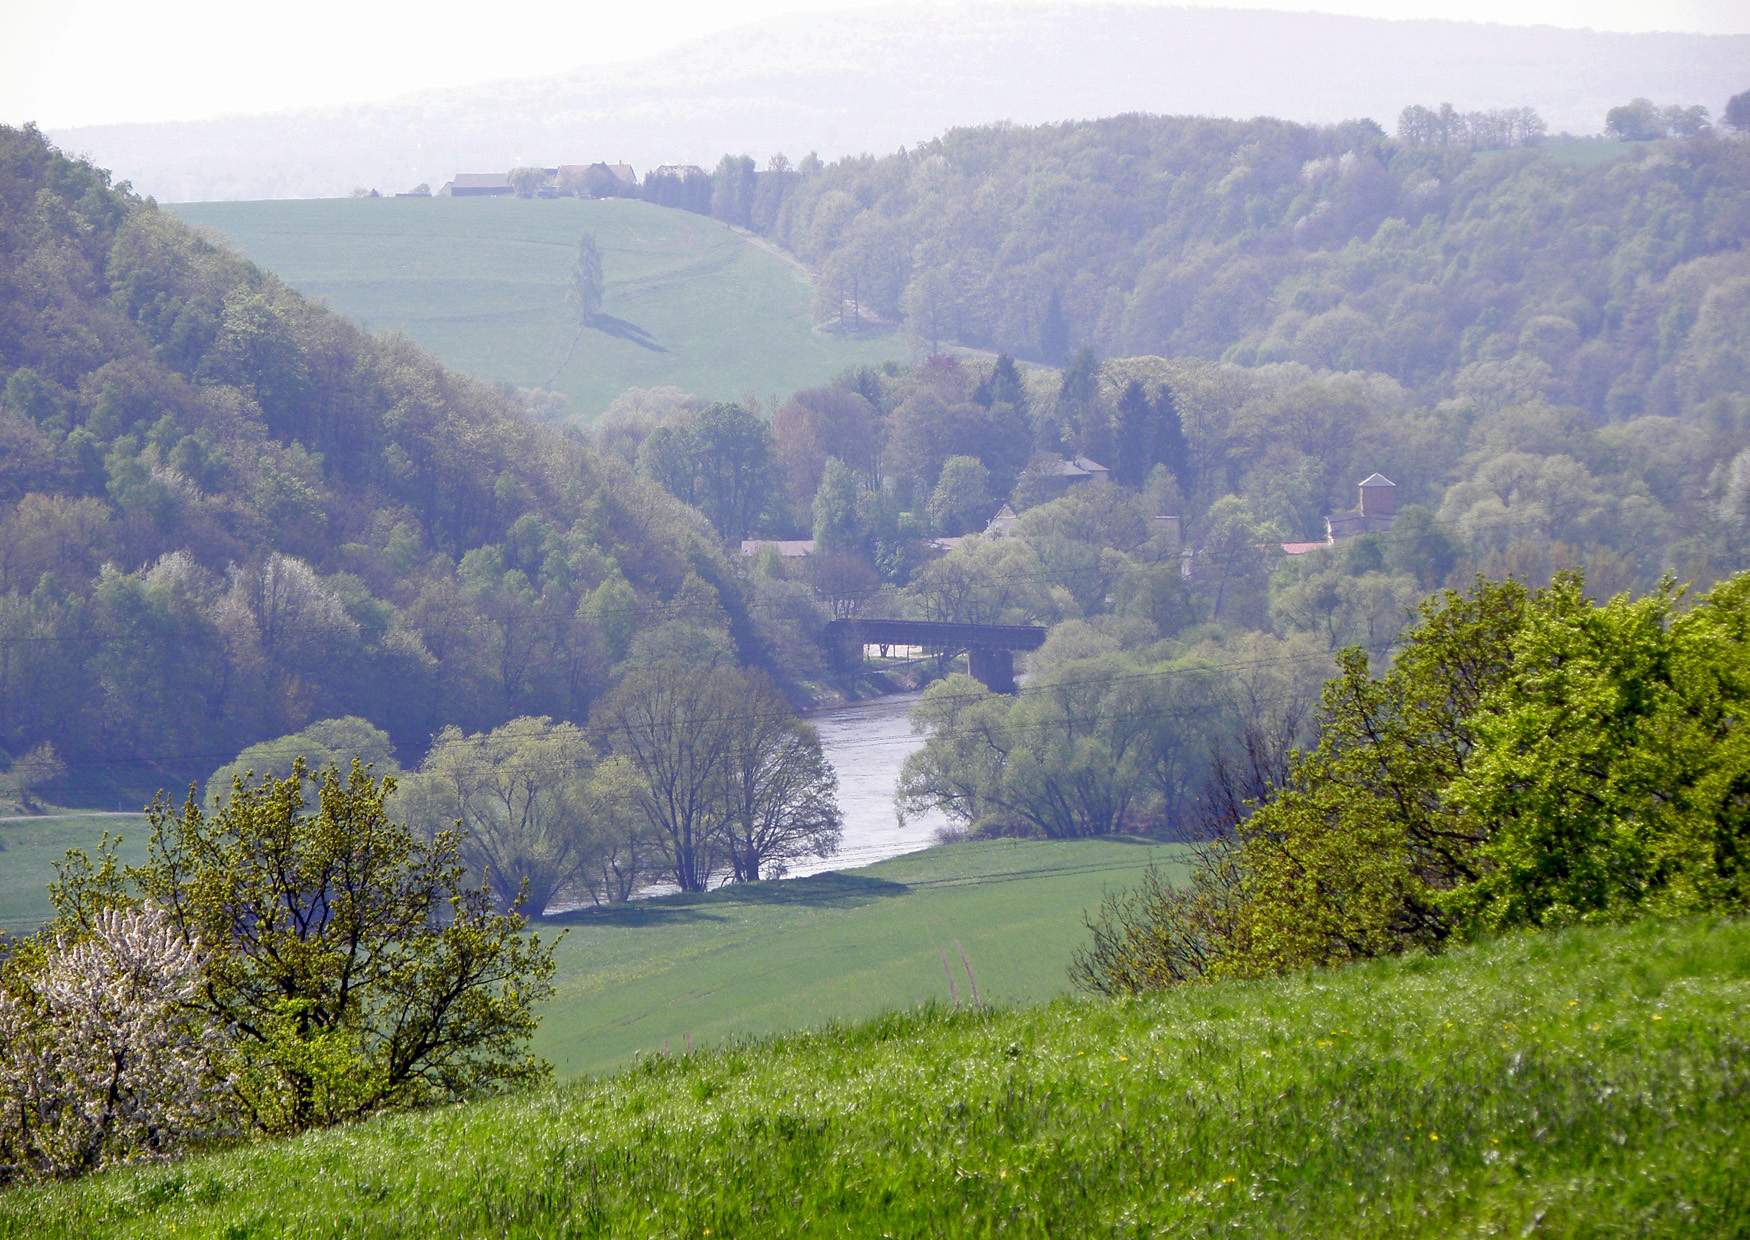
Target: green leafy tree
1233	560
1636	121
961	502
837	524
1614	771
718	459
33	768
779	791
734	463
584	293
1737	113
1349	859
518	798
669	719
351	964
527	180
324	744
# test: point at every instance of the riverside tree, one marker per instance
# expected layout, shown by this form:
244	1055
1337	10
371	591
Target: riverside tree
728	778
779	791
517	796
350	965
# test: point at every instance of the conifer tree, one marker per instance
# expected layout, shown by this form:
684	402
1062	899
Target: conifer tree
1132	438
1169	447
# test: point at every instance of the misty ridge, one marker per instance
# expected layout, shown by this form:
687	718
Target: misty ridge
874	80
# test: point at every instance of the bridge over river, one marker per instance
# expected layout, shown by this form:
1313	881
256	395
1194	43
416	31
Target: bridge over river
989	648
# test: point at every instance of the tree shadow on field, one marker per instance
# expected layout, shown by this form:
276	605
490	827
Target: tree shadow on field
622	329
816	891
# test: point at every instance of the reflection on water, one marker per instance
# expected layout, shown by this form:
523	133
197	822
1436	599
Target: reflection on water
867	742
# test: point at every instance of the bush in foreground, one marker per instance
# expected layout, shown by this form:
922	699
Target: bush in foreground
1529	759
344	966
98	1060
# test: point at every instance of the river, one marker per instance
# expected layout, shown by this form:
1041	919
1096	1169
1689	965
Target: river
867	742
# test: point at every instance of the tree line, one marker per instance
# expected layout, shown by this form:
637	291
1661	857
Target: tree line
687	774
1263	241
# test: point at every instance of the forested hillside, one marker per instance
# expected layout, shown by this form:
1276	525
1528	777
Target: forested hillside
1617	282
226	512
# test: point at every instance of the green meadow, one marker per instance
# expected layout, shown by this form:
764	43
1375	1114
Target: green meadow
758	958
775	957
29	848
481	283
1588	1082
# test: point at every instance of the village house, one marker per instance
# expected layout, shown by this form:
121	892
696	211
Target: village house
1376	508
597	180
1054	477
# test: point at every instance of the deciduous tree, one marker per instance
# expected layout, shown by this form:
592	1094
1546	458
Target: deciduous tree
352	966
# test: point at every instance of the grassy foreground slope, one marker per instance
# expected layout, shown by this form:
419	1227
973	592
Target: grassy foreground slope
1565	1083
767	958
1588	1082
480	284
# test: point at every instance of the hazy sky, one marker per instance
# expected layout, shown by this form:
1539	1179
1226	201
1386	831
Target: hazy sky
77	62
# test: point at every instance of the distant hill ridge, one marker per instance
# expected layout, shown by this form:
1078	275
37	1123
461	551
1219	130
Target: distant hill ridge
875	80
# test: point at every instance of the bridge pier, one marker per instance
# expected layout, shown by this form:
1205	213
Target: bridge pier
994	669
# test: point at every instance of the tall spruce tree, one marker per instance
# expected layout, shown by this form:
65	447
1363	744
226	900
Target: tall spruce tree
1133	442
1169	447
1082	417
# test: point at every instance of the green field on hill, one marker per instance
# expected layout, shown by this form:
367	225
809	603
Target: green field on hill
1577	1083
775	957
480	283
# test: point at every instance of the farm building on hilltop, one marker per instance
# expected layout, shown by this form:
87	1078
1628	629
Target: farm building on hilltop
597	180
478	185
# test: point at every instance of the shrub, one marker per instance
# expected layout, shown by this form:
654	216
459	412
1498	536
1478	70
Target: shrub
1158	935
1529	759
100	1060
